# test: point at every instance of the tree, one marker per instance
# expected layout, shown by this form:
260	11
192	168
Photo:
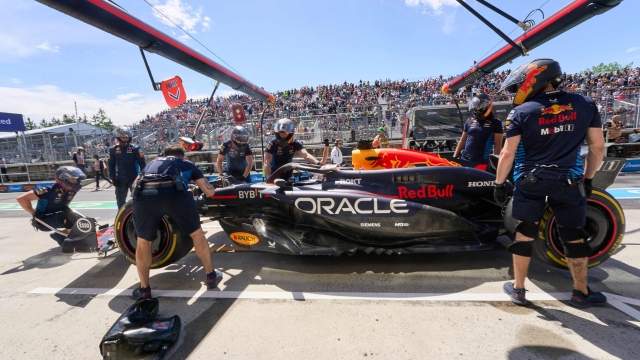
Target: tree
68	119
30	125
44	124
605	68
100	119
55	122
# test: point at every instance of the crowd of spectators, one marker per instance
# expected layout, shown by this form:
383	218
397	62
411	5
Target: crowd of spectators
367	105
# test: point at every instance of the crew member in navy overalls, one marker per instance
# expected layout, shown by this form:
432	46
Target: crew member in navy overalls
162	193
52	207
482	133
125	162
544	134
238	155
283	147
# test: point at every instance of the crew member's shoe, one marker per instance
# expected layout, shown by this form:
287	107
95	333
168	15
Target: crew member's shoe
214	279
142	293
518	296
59	238
582	301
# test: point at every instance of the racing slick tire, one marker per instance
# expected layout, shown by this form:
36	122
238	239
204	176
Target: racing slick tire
169	246
605	226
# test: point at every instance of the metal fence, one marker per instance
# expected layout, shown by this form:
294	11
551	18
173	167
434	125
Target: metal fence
349	123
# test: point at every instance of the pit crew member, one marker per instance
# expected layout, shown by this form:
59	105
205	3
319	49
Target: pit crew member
283	147
544	134
482	132
125	162
52	207
163	190
238	155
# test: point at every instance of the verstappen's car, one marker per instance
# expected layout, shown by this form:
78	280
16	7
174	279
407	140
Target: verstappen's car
415	209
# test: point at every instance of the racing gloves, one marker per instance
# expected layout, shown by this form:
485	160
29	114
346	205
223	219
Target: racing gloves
500	194
588	187
326	142
39	215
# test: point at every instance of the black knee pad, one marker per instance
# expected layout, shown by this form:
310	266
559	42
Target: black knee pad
522	248
577	250
527	229
571	234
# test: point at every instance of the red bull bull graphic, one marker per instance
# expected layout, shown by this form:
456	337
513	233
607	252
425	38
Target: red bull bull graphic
556	109
527	85
391	158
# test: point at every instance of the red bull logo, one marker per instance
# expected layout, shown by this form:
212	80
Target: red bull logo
556	109
430	192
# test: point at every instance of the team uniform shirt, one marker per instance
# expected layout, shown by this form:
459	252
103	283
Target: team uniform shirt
480	139
164	168
282	155
336	155
236	157
52	199
552	127
125	162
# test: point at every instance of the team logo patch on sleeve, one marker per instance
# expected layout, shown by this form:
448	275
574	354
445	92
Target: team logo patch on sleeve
42	191
141	154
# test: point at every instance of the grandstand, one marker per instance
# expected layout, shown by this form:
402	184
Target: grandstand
348	111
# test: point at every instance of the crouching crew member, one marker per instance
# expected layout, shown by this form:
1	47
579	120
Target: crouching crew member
282	148
482	133
238	154
52	207
125	162
162	189
548	167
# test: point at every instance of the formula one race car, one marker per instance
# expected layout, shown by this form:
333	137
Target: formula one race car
419	209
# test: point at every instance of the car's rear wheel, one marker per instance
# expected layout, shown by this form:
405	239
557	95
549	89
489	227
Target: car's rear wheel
605	226
169	246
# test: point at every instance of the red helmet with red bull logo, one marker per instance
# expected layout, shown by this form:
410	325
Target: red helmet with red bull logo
529	79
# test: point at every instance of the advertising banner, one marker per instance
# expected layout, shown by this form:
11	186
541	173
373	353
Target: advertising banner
11	122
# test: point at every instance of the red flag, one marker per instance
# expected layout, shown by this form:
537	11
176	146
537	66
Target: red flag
173	91
238	114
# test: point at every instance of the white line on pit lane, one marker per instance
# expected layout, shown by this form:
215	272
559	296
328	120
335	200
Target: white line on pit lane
619	302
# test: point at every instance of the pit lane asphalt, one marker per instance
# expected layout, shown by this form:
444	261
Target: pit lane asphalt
279	306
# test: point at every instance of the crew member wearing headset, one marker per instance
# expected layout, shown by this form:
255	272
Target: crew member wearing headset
125	162
549	169
336	153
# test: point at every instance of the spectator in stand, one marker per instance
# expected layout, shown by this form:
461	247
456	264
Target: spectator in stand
78	158
613	128
381	140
